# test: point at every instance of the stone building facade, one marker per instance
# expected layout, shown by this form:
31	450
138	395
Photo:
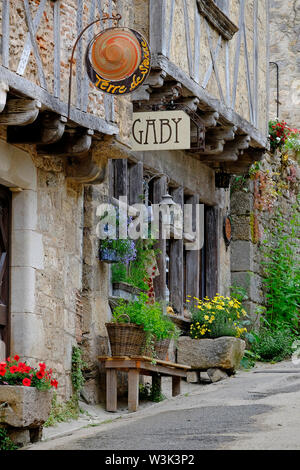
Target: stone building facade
257	199
210	57
284	51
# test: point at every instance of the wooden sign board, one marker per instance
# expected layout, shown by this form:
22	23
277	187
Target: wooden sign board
161	130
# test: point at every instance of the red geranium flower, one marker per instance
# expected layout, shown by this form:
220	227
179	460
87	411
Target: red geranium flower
54	383
13	369
16	358
42	366
40	374
26	382
2	372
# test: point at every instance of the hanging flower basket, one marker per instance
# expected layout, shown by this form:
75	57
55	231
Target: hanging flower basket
126	339
108	255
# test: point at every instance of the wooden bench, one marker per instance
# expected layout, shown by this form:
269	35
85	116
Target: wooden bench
136	365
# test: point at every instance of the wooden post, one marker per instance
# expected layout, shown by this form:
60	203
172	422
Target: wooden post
176	284
120	178
156	383
133	389
111	390
176	386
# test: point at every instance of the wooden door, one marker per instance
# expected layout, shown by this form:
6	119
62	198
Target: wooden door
4	268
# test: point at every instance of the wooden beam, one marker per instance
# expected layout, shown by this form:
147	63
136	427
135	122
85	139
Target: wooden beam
170	30
57	45
188	37
120	177
50	102
133	390
209	119
217	18
111	390
5	33
157	33
20	112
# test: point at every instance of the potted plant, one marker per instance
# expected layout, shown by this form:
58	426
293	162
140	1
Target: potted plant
25	396
139	326
216	331
117	251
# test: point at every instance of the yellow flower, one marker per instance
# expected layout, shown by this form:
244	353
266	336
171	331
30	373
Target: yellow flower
212	317
206	317
219	307
208	306
231	303
244	312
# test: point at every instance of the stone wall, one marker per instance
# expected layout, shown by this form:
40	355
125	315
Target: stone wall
254	201
284	49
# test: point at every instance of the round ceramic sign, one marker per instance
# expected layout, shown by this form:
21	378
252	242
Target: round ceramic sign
118	60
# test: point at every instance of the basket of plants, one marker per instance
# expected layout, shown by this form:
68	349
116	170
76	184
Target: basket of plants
126	338
140	328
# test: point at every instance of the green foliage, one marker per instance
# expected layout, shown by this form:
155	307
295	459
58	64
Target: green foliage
5	442
78	365
151	393
249	359
273	344
136	272
281	270
149	316
61	412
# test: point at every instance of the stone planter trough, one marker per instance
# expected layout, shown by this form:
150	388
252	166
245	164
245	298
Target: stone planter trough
202	354
24	409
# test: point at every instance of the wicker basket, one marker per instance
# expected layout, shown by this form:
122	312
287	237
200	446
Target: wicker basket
126	339
161	348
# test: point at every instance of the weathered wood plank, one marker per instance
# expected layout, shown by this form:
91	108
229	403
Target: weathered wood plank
27	48
133	390
135	194
238	53
214	61
120	177
197	39
192	269
159	189
255	61
267	4
210	68
170	31
176	266
188	37
111	390
212	250
34	45
5	32
89	36
79	54
20	112
248	78
157	15
56	33
227	73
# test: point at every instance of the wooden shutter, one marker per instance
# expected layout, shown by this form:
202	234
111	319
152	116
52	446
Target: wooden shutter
4	263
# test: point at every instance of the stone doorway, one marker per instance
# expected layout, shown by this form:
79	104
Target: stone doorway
5	205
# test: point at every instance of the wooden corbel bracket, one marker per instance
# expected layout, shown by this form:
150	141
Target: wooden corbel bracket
74	143
47	129
20	112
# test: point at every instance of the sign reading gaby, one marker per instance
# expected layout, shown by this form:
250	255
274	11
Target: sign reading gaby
161	130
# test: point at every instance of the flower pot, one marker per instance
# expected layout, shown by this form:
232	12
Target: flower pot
126	339
108	256
24	407
202	354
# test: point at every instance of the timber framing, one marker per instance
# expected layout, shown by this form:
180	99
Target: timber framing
217	18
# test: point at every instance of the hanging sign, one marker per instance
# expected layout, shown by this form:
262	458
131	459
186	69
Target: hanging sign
118	60
161	130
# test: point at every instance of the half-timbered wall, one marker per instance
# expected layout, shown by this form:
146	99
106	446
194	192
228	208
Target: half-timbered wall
232	70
